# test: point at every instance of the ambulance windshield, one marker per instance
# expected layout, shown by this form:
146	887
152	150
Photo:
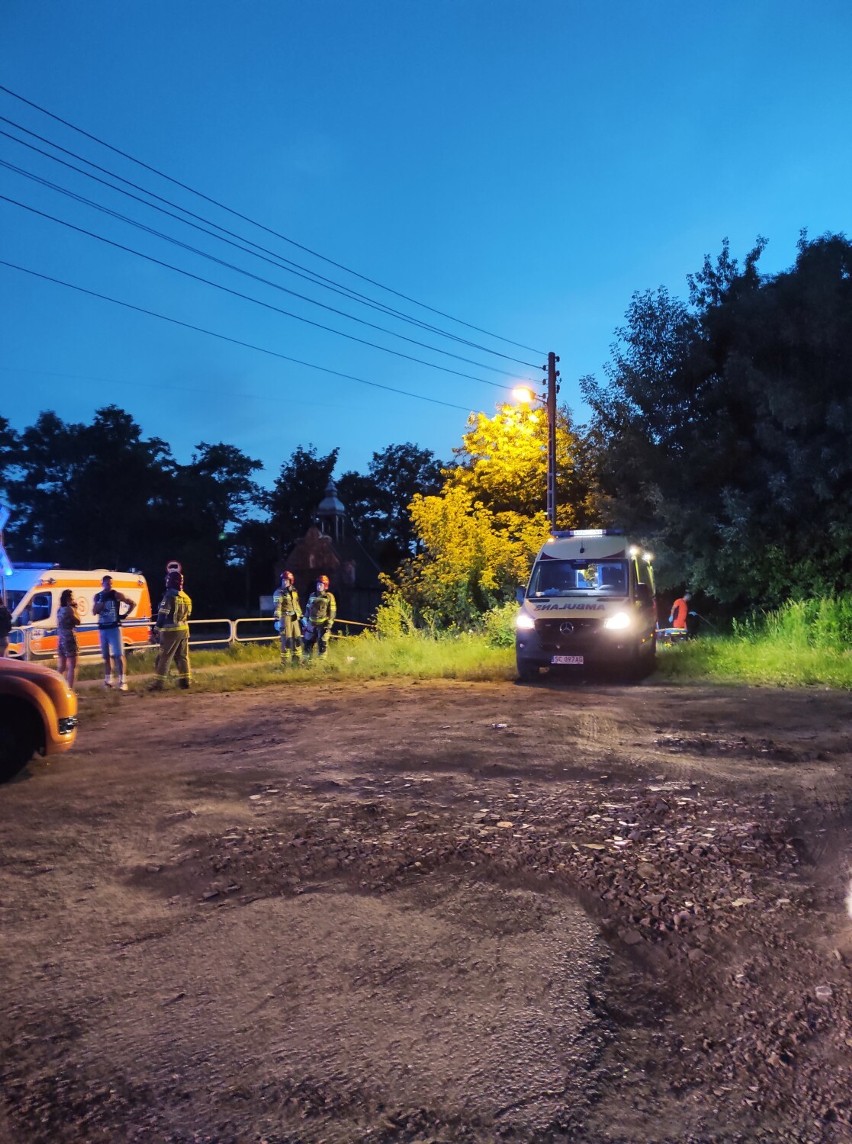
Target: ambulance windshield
580	578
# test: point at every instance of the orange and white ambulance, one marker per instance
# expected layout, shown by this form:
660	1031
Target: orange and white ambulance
32	596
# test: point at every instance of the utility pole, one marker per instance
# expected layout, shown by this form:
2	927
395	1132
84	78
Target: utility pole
552	390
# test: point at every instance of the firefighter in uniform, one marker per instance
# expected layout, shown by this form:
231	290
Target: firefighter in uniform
172	628
288	612
320	613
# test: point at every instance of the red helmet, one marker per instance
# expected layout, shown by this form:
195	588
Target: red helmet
323	580
287	576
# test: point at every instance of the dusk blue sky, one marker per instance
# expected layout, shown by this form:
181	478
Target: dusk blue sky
523	167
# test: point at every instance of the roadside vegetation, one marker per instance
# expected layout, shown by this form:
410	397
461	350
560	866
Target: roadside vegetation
802	644
419	655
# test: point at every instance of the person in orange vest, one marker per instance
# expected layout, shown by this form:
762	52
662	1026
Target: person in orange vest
680	611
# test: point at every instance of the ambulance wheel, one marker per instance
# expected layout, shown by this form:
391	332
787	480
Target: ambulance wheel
527	670
644	660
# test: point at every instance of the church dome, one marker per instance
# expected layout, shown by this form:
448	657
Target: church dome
330	505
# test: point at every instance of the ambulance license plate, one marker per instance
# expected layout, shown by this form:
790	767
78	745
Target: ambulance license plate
572	659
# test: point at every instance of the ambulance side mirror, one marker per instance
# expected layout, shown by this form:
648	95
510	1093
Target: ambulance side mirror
643	594
520	593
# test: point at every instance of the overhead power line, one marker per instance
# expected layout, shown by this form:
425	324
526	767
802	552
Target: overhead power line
226	338
241	243
207	390
245	297
238	269
261	226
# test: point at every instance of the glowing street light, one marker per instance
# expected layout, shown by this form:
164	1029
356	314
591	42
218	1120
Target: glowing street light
524	395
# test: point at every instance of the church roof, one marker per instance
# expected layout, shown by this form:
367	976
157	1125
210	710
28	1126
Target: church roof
330	505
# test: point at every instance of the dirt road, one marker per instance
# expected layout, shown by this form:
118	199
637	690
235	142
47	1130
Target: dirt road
455	913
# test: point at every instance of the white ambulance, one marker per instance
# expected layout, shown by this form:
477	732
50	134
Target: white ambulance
32	594
589	602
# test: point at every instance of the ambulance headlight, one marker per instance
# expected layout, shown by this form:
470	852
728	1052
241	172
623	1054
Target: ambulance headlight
524	622
618	622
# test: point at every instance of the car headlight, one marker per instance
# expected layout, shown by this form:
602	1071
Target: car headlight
618	622
524	622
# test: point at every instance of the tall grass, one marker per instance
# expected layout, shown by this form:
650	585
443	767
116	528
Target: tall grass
462	656
803	644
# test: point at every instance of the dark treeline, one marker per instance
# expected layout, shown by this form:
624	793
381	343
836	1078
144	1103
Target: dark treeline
720	436
723	428
102	495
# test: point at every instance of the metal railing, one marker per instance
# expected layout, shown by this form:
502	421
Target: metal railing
210	633
37	641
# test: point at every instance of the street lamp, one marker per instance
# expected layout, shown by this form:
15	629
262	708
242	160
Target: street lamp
525	394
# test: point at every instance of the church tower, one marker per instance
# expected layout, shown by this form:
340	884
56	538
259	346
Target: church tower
331	513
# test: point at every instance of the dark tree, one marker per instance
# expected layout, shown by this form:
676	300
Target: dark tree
725	424
9	452
100	495
88	495
377	504
366	508
253	564
297	492
211	498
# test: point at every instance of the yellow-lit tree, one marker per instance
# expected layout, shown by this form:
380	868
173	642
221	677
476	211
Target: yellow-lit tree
478	536
469	561
502	461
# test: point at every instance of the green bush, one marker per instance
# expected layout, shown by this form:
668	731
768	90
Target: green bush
823	622
803	643
499	625
394	616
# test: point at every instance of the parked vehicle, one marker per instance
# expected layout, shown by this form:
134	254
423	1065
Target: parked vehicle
589	602
33	591
38	714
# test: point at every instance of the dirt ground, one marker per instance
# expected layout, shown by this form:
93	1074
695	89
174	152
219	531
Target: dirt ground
432	913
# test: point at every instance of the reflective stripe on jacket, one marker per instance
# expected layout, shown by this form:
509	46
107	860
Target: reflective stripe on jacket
322	608
286	601
174	611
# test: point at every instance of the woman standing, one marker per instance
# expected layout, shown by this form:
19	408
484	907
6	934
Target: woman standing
67	619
